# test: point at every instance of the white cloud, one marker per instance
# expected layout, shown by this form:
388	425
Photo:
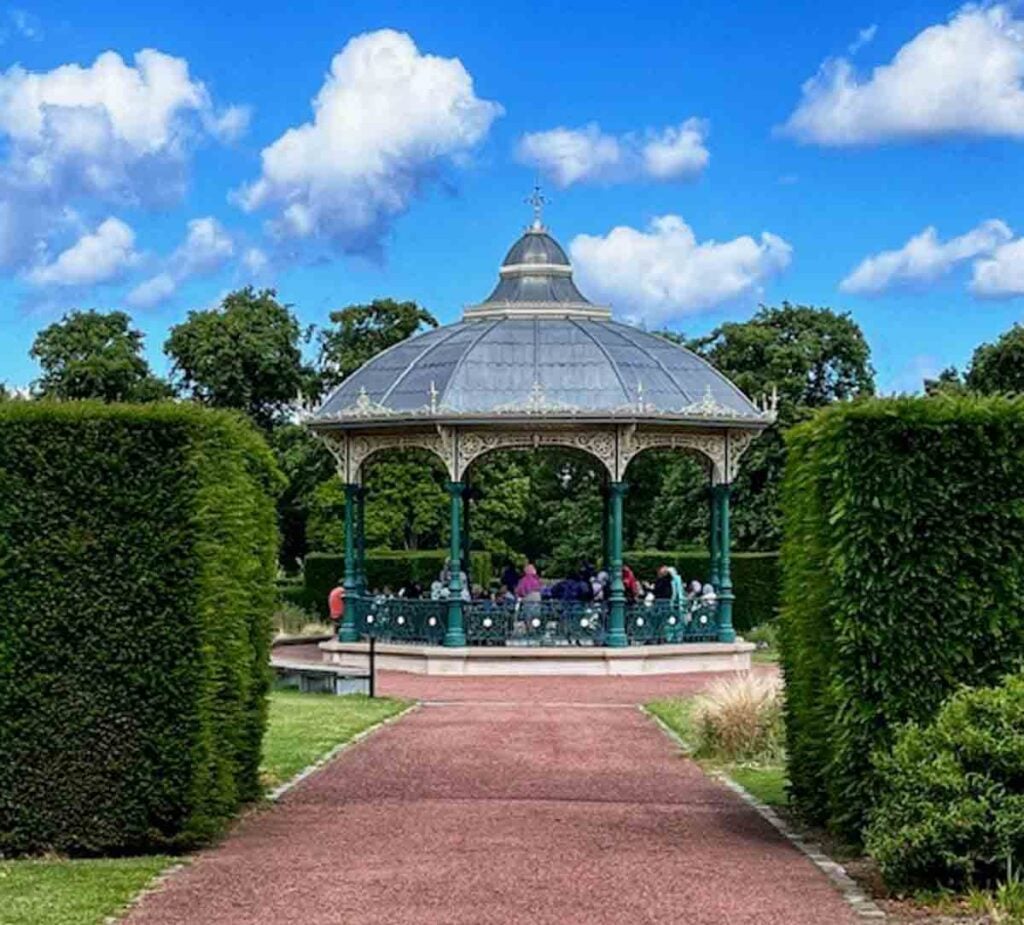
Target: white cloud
576	155
386	120
96	257
255	260
1002	274
206	248
961	77
865	36
665	273
924	258
153	291
76	140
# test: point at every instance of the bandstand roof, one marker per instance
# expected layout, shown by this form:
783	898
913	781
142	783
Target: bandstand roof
536	345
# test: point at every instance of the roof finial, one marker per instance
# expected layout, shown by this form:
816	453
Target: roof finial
538	200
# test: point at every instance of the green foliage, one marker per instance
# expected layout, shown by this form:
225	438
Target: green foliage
950	809
137	557
998	369
755	579
244	355
903	577
360	332
90	354
813	357
385	569
739	718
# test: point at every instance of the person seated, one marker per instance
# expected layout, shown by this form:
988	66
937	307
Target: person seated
529	587
663	584
510	576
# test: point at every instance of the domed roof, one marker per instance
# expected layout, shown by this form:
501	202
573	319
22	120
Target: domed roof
508	365
537	346
536	279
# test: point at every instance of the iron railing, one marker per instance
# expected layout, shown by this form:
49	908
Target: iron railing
548	622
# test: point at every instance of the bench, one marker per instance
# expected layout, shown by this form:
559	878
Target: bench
316	678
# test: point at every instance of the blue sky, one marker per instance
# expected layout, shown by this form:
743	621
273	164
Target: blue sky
699	158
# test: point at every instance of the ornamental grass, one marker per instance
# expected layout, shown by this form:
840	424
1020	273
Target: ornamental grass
740	719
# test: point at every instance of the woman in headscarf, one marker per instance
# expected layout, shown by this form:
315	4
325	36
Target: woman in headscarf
529	586
663	584
630	583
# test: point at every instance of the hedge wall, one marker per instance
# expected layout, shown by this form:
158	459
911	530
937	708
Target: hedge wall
137	556
755	579
903	578
322	571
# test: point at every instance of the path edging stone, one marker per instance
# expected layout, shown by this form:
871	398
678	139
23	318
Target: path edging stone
857	899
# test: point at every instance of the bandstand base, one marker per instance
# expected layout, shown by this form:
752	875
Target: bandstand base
480	661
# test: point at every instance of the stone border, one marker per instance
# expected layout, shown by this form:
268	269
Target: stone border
858	900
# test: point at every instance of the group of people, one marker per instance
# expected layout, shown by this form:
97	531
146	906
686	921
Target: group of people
586	584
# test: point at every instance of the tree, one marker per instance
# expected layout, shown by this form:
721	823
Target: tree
91	354
999	368
947	382
246	355
812	356
360	332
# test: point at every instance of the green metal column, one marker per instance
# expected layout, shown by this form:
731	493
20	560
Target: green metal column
347	632
606	530
617	598
726	633
455	634
361	540
466	504
715	540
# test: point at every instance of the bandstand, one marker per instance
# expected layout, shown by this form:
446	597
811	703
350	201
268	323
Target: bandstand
538	365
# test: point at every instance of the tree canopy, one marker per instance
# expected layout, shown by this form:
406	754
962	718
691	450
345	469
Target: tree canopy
999	368
359	332
91	354
245	354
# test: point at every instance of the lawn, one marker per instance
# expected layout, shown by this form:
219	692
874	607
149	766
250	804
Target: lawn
767	782
301	729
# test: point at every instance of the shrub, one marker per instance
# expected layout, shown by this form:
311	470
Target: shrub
755	579
740	719
950	808
385	569
903	577
137	557
290	620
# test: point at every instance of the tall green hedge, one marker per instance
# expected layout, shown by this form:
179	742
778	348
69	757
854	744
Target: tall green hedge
755	579
137	558
385	569
903	578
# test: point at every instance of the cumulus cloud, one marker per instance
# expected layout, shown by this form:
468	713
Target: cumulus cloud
579	155
1001	274
924	258
76	140
96	257
255	260
960	77
665	272
206	248
387	119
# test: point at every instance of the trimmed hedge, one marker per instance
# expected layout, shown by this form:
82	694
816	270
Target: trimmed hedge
950	810
137	560
755	579
903	578
322	571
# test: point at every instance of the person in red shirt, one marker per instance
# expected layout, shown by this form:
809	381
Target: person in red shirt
336	603
629	582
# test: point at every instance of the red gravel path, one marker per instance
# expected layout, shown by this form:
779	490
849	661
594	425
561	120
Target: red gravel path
472	813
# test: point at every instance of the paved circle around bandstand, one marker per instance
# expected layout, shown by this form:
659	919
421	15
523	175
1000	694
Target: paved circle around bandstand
526	802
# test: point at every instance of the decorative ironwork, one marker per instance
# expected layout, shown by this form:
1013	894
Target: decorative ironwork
711	447
547	623
398	619
598	442
664	621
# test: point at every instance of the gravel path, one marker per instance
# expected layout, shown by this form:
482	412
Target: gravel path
492	813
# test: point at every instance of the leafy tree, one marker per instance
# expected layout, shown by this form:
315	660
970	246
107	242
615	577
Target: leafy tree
812	356
245	354
306	464
91	354
360	332
999	368
947	382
